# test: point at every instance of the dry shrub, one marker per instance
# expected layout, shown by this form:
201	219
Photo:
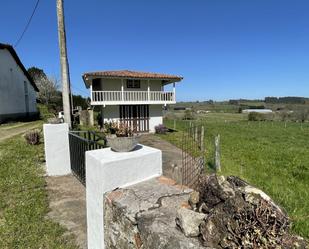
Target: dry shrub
33	137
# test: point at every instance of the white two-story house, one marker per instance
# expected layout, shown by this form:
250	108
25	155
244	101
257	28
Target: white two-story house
135	98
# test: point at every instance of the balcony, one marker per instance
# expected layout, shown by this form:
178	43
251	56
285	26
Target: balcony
132	97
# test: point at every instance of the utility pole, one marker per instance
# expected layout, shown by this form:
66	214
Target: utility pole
65	78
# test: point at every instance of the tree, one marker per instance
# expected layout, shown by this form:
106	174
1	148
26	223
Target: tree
81	101
48	86
65	79
36	73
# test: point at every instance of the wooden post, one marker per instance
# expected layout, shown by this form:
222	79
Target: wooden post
202	140
217	153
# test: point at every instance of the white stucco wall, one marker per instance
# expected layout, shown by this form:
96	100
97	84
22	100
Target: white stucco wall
12	87
111	113
156	116
57	151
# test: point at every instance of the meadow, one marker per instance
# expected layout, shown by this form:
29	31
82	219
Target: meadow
269	155
24	201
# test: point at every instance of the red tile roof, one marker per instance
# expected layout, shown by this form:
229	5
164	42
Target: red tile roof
132	74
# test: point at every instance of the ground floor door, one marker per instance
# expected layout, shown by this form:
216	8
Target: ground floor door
136	116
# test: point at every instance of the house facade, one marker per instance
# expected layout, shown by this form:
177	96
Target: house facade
17	89
135	98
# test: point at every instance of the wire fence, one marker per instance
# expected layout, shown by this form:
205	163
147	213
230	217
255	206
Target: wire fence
193	155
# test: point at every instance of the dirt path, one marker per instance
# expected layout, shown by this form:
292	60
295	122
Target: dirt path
171	155
8	131
67	202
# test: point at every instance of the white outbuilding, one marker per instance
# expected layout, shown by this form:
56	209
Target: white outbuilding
264	111
17	88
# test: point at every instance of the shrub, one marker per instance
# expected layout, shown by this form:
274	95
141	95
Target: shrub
161	129
33	137
188	115
256	116
45	113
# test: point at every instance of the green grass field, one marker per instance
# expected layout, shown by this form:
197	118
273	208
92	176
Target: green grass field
23	199
266	154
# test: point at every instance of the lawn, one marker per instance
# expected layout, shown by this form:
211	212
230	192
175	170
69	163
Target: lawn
266	154
23	199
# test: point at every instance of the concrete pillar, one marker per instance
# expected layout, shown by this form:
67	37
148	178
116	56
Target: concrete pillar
107	170
91	118
57	151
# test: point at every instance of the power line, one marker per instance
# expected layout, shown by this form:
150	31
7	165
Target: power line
28	23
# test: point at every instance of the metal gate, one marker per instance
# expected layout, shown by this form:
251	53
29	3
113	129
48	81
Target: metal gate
193	156
80	142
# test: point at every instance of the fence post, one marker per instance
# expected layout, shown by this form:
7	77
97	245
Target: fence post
202	140
217	153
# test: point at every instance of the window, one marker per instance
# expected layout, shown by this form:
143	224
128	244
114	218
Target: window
133	84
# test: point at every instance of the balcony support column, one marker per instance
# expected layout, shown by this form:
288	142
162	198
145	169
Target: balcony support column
148	89
174	92
91	93
122	89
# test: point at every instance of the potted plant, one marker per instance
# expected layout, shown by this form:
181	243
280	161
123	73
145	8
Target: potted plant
120	136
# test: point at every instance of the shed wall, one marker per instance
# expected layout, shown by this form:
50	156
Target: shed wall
14	86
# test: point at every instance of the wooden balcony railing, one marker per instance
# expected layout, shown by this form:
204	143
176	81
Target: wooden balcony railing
133	96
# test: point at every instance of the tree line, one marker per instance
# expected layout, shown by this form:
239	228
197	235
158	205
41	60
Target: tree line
286	100
49	91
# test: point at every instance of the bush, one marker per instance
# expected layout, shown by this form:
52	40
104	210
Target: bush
45	113
188	115
161	129
256	116
33	137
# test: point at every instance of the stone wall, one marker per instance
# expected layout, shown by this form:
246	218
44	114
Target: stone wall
225	213
143	216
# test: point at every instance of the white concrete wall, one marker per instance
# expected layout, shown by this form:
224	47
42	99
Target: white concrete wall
12	87
107	170
57	151
156	116
111	113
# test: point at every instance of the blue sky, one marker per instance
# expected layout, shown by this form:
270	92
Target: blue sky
224	49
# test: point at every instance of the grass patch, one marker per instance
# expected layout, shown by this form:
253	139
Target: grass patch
23	199
267	155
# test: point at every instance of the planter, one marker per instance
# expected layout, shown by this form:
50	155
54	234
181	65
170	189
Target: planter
122	144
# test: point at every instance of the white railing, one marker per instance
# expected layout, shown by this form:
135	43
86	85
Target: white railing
132	96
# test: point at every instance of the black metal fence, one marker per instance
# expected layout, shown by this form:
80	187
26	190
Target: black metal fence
80	142
193	155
